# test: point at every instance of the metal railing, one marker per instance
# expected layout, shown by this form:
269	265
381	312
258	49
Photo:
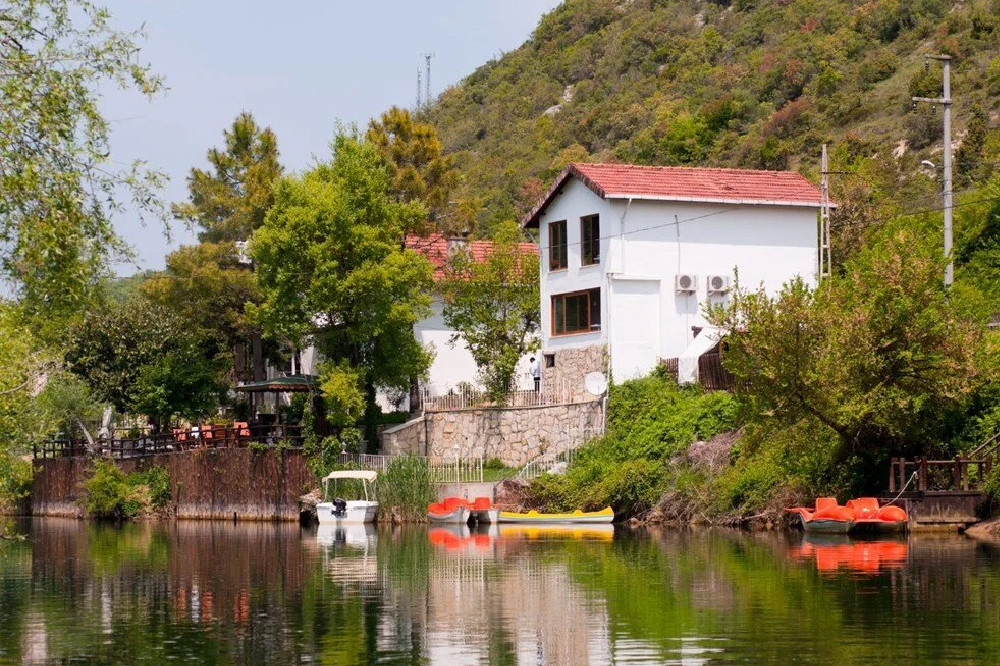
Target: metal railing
180	439
459	470
469	397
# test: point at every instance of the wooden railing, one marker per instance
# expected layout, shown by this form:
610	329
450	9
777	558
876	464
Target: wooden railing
955	475
206	436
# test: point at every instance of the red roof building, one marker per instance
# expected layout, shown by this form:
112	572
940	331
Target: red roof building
689	184
437	248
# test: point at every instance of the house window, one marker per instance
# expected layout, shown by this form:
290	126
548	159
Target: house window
590	237
550	360
557	246
577	312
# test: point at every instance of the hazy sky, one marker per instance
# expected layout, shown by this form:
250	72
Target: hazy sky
298	65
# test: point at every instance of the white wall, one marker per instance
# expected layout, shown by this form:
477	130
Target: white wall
768	245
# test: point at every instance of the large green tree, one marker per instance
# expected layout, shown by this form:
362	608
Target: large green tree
332	271
493	305
210	284
880	355
58	187
207	287
142	358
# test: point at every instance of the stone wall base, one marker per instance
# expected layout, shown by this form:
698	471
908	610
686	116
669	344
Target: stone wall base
515	435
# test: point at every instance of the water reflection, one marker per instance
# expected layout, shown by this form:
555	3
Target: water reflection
835	552
272	594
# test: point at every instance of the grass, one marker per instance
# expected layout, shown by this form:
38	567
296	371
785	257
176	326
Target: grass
404	490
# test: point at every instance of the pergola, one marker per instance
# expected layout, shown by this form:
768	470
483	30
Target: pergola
277	386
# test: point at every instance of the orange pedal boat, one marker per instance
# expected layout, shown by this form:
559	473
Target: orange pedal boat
861	514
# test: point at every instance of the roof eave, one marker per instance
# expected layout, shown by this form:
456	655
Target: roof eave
718	200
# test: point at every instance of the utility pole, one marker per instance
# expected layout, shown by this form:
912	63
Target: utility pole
825	264
427	94
945	101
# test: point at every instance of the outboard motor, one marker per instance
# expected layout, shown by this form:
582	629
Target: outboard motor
339	507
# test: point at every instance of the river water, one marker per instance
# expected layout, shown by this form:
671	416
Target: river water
207	593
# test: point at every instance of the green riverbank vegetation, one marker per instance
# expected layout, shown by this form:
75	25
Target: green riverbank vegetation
113	495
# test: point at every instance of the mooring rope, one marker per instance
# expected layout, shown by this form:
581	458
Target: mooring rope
893	500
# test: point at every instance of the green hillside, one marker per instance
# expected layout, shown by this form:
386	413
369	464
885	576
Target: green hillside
750	83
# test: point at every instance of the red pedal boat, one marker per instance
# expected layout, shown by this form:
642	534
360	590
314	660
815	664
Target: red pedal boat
869	516
827	518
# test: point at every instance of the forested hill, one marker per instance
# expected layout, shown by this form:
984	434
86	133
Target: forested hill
749	83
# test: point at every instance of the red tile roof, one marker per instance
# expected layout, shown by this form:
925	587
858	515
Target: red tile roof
730	186
437	247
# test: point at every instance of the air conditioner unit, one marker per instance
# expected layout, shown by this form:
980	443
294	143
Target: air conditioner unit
717	284
685	283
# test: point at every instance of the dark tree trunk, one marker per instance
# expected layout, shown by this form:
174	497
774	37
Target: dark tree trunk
259	370
371	419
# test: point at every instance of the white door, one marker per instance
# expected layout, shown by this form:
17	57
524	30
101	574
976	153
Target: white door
634	315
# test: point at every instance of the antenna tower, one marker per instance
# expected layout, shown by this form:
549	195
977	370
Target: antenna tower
824	219
427	82
418	89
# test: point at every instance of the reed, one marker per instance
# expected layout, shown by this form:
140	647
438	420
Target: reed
404	490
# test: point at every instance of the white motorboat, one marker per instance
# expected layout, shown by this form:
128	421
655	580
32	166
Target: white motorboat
340	511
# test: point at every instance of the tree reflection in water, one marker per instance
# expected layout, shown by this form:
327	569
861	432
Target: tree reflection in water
274	593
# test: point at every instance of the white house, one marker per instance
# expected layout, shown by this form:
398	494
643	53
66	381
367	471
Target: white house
631	255
453	363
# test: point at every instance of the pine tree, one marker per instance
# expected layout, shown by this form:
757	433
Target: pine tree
229	200
420	172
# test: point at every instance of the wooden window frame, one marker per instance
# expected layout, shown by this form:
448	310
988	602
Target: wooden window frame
588	309
590	248
558	251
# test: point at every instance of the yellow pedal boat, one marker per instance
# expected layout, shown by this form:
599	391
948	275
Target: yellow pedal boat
578	517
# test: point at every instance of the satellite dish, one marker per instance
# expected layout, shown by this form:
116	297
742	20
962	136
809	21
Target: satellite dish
595	383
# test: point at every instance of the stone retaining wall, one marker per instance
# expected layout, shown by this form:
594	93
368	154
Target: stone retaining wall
515	435
405	438
570	368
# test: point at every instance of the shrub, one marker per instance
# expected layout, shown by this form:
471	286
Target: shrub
15	480
157	480
113	495
405	489
109	494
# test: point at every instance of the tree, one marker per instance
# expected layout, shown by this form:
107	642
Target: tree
880	355
231	199
332	271
57	185
493	306
420	171
206	284
127	352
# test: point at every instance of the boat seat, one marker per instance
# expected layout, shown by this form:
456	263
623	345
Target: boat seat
864	507
823	503
482	504
452	503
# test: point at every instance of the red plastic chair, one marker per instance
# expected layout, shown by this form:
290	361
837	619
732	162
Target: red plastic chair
824	503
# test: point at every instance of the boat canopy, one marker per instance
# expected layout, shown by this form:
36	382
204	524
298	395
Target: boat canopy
364	475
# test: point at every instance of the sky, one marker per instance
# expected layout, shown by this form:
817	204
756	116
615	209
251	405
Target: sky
299	66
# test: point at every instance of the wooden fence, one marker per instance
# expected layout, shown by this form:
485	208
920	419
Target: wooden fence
711	373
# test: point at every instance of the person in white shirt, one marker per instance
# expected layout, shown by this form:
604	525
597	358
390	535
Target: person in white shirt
536	373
